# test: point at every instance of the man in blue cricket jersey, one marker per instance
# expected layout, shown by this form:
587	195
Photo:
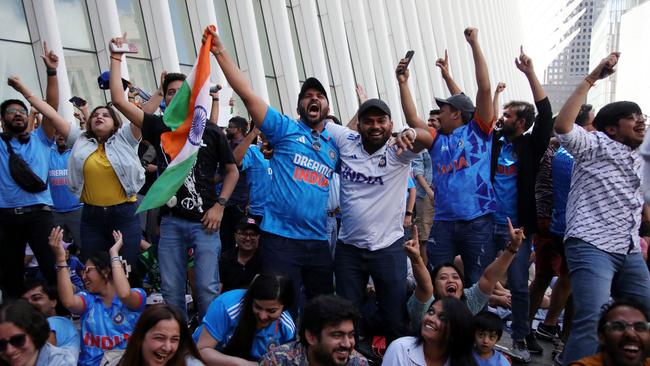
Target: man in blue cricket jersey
294	237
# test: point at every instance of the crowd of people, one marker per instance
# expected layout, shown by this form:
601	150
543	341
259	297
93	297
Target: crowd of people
297	242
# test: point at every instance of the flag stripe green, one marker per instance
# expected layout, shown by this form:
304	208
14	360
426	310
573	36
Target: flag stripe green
167	184
177	110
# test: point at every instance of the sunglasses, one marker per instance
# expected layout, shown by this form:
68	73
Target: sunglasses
16	110
315	135
17	341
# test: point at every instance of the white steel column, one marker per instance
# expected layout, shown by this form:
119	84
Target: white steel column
360	49
307	24
430	51
48	30
420	63
165	33
284	59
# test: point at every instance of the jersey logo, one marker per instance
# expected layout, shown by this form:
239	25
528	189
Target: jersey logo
301	139
118	318
353	136
332	154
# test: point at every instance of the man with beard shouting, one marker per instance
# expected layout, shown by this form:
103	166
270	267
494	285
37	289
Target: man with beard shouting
374	177
294	235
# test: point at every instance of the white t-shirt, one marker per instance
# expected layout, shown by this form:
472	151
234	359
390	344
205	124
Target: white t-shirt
372	191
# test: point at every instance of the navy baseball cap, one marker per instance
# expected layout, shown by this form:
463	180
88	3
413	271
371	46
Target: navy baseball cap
459	101
248	223
312	83
102	80
373	104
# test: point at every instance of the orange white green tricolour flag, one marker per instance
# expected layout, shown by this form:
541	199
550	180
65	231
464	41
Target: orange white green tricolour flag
186	116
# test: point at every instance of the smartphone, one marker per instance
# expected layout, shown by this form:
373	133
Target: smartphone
143	94
605	72
78	102
126	47
408	57
215	89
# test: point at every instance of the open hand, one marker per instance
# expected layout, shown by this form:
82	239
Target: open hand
115	249
55	241
212	218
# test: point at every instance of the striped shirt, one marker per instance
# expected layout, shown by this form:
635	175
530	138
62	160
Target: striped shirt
605	201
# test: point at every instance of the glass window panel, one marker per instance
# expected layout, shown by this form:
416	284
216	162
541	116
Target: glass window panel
83	71
182	32
74	24
264	40
274	93
132	23
296	45
18	59
186	69
225	28
141	74
13	20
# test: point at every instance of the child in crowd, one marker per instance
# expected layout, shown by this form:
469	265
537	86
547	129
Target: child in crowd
488	329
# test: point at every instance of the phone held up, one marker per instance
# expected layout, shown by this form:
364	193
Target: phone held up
126	47
77	102
408	57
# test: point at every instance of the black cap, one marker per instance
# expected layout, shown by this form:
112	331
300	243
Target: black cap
459	101
611	113
312	83
371	104
248	223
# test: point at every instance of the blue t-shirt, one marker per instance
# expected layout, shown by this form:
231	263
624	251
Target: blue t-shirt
505	185
67	335
410	184
561	170
497	359
461	173
76	268
36	154
62	197
297	204
104	329
222	317
258	176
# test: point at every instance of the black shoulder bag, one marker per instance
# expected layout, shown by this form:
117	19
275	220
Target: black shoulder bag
21	172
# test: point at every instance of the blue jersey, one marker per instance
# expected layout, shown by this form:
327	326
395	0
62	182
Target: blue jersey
497	359
104	329
62	197
505	185
36	154
76	268
258	176
461	172
67	335
222	317
561	170
302	168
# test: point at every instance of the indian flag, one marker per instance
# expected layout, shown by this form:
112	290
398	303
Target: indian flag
186	116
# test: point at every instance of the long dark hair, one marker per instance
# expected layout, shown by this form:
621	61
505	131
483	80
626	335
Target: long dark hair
460	331
116	120
263	287
149	318
25	316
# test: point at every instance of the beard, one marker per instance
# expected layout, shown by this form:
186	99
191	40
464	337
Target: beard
325	358
16	129
304	116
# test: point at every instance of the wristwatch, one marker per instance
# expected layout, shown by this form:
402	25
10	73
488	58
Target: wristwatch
408	213
222	201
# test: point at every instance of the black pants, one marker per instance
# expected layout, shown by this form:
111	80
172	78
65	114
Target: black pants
15	232
231	217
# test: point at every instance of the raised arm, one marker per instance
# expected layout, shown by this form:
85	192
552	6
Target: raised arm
51	61
501	86
423	284
443	64
567	116
255	105
129	110
499	267
362	97
240	151
214	111
525	65
54	120
64	286
131	299
408	106
484	110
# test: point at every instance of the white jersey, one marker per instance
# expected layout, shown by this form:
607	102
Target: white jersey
373	187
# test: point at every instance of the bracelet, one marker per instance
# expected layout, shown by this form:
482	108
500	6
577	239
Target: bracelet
116	258
116	58
58	267
511	250
408	213
215	99
590	81
51	72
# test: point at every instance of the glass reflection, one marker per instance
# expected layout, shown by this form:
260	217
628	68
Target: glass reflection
14	22
182	32
18	59
132	23
74	24
83	71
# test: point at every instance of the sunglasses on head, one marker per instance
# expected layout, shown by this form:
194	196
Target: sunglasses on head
16	341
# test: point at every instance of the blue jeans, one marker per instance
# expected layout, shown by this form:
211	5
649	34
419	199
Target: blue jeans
387	267
97	225
595	276
517	279
467	238
307	263
176	236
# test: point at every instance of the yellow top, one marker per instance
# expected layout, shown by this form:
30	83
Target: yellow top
101	185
